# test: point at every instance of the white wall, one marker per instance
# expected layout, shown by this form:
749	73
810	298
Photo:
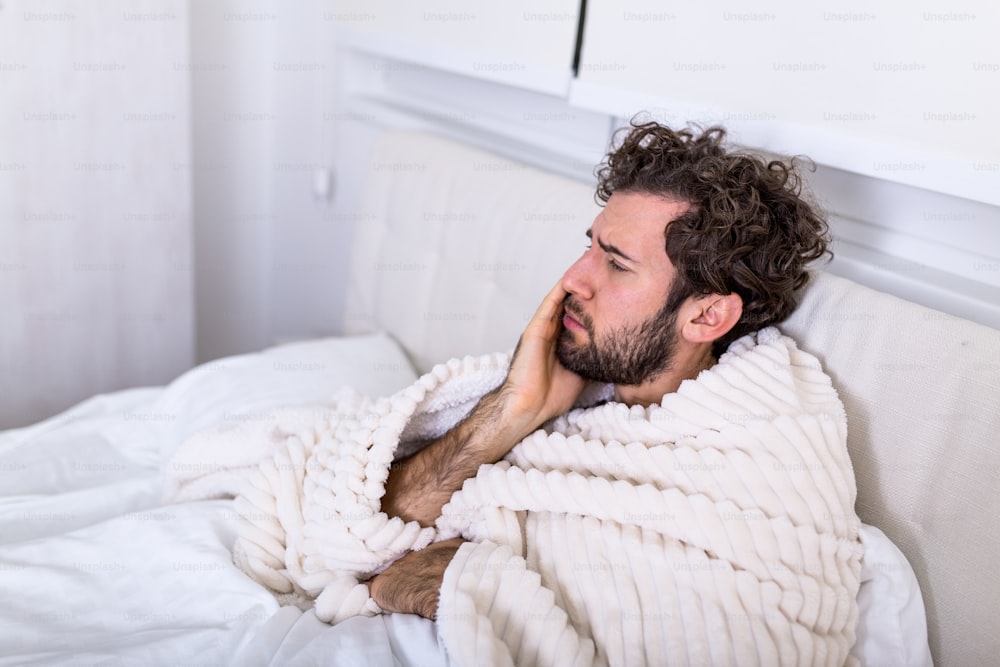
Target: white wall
157	177
95	209
306	277
232	120
263	79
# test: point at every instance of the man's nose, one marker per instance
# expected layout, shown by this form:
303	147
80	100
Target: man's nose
578	277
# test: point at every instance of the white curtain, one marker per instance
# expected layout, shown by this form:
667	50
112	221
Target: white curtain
95	201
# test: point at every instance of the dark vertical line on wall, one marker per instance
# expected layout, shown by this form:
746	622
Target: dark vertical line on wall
579	37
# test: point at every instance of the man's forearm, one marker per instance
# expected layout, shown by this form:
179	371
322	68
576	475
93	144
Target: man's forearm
411	585
419	486
537	388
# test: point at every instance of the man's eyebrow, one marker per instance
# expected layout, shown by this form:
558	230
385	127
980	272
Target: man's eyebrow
609	248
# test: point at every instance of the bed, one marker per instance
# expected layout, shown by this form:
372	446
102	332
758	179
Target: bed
451	259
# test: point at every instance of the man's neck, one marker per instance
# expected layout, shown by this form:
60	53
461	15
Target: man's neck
684	367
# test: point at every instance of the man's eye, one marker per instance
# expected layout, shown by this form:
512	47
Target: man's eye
616	266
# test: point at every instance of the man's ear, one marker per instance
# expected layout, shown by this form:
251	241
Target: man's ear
710	317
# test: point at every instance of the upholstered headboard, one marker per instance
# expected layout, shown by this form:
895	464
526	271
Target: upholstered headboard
457	246
922	393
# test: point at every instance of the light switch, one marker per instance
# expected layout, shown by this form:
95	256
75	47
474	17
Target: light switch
322	185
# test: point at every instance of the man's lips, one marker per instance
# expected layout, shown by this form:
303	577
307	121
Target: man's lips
570	323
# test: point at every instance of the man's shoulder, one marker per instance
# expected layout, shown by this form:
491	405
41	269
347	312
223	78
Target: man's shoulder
771	343
770	363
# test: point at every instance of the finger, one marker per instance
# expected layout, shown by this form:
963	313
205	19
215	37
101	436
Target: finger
551	305
550	311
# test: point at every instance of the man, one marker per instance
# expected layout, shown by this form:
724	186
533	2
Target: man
657	471
696	247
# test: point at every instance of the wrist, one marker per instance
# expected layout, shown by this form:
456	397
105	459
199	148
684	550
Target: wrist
510	421
412	584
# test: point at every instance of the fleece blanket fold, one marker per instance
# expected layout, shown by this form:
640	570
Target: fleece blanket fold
717	527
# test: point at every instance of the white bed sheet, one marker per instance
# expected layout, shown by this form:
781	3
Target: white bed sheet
95	570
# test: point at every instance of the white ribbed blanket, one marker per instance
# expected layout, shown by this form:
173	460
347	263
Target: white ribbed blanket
715	528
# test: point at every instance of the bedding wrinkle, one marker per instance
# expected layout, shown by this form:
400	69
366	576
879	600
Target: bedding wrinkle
634	554
595	623
713	610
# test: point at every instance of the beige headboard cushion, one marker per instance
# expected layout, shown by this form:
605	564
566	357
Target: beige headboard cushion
922	393
457	246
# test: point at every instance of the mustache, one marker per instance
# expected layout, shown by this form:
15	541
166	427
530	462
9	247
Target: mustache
574	309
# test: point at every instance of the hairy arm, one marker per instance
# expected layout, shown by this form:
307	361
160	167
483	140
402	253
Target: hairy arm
419	486
536	389
412	584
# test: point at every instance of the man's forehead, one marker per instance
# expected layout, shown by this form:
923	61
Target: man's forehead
631	218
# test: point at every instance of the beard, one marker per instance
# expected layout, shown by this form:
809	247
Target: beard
629	355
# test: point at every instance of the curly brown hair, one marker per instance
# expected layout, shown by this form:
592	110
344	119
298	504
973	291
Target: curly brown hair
749	230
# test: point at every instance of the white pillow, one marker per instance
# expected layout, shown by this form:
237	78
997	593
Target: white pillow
243	388
892	623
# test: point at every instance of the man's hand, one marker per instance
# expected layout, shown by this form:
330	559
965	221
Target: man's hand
537	388
412	584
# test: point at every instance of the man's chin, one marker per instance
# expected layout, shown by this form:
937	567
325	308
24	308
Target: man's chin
573	358
569	345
